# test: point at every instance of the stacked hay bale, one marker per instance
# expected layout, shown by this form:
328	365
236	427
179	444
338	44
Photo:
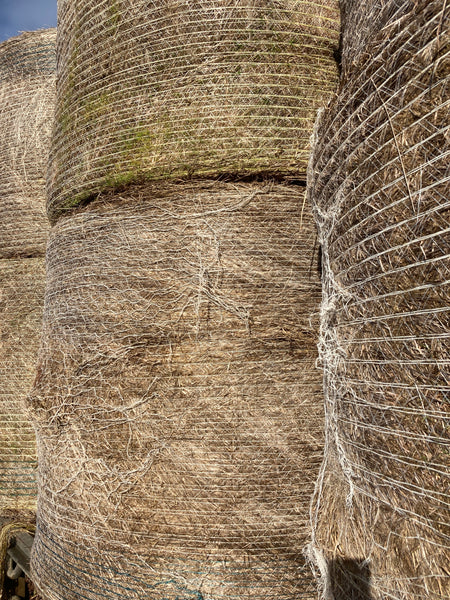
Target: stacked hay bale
27	98
360	22
379	178
177	404
181	89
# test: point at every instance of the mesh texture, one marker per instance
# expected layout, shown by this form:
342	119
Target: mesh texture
27	102
177	403
27	98
379	186
180	89
21	301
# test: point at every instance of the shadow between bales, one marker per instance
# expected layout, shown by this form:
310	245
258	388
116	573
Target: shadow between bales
349	579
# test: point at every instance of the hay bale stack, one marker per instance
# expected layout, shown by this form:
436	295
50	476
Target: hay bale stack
177	402
27	98
179	89
21	300
27	101
379	179
360	23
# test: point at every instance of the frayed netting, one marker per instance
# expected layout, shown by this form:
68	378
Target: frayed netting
180	89
378	183
177	403
27	102
27	97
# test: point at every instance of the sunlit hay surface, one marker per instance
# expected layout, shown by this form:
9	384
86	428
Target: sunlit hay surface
27	102
379	185
21	302
27	97
178	407
175	89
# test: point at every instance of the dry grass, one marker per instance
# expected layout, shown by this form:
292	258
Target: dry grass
177	403
157	90
21	303
27	96
379	186
360	22
27	101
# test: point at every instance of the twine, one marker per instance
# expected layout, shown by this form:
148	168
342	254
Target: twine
360	23
21	304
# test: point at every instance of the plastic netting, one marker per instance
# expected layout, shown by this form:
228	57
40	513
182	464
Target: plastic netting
379	185
178	407
360	22
179	89
27	102
27	98
21	301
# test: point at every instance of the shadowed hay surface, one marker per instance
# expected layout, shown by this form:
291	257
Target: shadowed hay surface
175	89
21	302
177	404
379	185
27	102
360	22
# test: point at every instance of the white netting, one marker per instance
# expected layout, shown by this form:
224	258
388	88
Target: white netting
360	22
179	89
379	186
177	403
27	96
27	102
21	301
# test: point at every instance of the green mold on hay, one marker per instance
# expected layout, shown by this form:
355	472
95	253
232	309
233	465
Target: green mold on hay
115	16
96	106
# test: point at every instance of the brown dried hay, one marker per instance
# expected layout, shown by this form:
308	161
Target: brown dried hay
360	23
177	403
156	90
27	100
21	303
379	179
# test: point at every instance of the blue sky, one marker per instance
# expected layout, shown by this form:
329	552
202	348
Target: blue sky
25	15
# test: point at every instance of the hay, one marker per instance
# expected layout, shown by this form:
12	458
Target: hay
360	23
379	179
27	96
21	302
27	99
177	404
180	89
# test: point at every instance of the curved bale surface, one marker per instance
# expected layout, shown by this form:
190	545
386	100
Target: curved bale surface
27	96
179	89
361	22
177	403
27	102
379	183
21	303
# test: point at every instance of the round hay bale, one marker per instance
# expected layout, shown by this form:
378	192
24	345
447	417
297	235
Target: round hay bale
379	185
177	404
27	101
360	23
156	90
21	303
